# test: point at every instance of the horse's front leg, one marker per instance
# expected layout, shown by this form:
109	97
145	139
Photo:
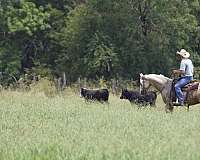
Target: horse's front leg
169	108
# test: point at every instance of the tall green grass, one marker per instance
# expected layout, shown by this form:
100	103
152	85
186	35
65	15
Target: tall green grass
33	126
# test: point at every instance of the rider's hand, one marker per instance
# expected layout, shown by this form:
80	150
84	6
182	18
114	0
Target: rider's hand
177	72
174	71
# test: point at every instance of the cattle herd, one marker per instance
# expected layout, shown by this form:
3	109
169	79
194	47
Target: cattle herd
134	97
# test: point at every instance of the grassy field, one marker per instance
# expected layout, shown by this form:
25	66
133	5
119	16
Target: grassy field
65	127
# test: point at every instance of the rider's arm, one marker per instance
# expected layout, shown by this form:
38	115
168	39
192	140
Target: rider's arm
178	71
181	70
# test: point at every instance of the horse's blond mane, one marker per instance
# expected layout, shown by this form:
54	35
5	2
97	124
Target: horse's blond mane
156	76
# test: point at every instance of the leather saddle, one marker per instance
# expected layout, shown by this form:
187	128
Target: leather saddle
191	86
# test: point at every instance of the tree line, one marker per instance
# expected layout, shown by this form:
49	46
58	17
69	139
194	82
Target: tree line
96	38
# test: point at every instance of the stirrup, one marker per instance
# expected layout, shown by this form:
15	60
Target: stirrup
178	104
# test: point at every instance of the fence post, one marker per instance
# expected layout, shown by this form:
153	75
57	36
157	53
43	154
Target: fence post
59	84
79	83
64	80
34	78
85	83
114	87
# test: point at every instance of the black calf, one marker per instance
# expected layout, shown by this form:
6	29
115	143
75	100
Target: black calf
99	94
135	97
148	98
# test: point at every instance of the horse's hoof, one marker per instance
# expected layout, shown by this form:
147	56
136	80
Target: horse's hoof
169	110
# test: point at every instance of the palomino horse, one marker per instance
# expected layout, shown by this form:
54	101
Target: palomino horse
164	85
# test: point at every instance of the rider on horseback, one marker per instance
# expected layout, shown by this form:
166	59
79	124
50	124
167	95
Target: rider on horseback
185	72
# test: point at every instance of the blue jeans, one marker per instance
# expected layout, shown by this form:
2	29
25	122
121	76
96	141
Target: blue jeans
181	82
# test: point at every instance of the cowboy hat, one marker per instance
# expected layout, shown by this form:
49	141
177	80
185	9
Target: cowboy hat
183	53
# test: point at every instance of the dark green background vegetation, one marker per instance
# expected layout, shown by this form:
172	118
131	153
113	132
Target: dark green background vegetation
95	38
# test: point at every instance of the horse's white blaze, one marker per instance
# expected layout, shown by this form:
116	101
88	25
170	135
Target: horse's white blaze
141	83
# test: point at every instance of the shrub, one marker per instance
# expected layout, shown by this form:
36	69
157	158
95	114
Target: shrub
44	85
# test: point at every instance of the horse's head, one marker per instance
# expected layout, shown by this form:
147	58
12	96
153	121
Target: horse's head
144	83
158	81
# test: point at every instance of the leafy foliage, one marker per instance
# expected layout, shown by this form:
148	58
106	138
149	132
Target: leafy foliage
101	58
97	38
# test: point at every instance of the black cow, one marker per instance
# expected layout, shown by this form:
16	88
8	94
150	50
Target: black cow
100	95
132	96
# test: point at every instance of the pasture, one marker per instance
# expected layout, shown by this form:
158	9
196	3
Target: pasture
33	126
